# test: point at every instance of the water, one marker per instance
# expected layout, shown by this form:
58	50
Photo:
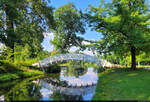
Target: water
69	84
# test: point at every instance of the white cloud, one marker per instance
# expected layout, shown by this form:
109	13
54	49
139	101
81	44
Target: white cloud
88	52
46	42
73	49
85	43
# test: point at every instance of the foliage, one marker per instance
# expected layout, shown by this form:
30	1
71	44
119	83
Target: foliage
23	23
69	23
54	68
78	64
24	90
22	56
7	67
6	54
124	25
54	52
75	68
142	59
10	71
78	68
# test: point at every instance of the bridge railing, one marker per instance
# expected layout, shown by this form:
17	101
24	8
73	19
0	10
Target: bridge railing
63	57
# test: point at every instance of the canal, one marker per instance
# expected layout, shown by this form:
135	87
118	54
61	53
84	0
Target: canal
70	84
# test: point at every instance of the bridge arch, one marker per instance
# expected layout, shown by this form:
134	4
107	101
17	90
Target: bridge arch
69	56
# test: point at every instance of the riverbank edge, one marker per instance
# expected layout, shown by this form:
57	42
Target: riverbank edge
15	72
18	75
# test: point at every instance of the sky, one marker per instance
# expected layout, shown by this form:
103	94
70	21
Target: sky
81	5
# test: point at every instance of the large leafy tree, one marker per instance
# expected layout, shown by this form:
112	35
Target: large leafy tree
24	21
124	25
69	23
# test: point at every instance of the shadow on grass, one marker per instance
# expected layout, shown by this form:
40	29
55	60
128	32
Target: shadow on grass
123	84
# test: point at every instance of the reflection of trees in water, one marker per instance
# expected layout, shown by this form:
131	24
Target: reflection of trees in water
59	96
77	68
61	91
51	77
95	70
54	68
5	87
74	71
25	90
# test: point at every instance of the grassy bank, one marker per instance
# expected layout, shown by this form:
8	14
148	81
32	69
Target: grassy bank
122	84
10	71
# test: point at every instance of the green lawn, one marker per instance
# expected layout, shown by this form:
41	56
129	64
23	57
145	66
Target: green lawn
122	84
10	71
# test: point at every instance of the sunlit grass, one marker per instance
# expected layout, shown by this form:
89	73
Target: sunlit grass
123	84
10	71
18	75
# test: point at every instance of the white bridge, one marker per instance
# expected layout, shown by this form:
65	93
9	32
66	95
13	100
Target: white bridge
66	57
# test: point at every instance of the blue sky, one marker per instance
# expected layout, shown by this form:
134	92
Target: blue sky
81	5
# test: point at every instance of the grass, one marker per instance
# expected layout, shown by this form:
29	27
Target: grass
10	71
122	84
19	75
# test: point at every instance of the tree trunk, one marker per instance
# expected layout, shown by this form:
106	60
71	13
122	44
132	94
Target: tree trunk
10	30
138	63
126	62
133	56
67	42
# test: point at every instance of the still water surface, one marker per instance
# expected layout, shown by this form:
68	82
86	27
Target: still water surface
69	84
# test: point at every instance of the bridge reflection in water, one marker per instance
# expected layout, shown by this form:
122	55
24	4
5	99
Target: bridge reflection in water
69	87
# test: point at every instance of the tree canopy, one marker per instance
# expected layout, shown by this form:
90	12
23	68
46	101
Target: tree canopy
69	23
125	25
24	21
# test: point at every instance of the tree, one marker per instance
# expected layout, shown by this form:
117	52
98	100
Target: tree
124	25
24	21
69	23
